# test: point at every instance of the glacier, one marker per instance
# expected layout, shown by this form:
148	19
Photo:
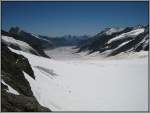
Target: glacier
89	85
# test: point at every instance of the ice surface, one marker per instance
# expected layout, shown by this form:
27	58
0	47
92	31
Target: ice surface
90	85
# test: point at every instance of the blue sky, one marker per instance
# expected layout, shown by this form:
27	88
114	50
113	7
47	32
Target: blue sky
75	18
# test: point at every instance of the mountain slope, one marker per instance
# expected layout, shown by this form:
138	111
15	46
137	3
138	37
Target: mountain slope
34	41
17	44
16	92
114	40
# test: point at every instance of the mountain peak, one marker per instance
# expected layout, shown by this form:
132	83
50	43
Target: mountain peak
110	31
14	30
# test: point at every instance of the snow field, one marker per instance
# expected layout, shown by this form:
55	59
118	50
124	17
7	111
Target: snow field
90	85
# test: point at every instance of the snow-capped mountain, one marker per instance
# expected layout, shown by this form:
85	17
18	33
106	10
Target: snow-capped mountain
33	40
116	40
110	31
27	35
17	44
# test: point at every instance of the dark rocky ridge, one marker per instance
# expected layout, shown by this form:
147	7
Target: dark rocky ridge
12	67
133	45
99	42
35	43
14	46
19	103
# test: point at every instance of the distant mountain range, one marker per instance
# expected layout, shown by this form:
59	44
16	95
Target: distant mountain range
67	40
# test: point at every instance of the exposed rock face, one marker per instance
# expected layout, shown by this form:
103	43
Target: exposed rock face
97	42
15	43
129	39
19	103
12	69
34	41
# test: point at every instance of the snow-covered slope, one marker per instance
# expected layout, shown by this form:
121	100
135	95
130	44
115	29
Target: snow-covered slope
132	33
38	37
114	41
114	85
110	31
17	30
20	44
144	42
19	36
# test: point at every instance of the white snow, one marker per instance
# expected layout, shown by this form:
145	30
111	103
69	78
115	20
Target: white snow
132	33
23	45
144	42
122	44
63	53
90	85
114	30
10	89
36	36
130	55
107	52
